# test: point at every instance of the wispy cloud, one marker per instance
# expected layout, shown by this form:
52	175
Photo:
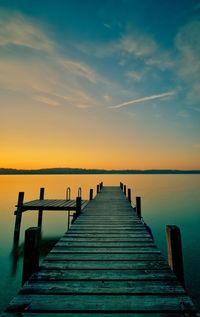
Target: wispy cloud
188	63
16	29
47	100
136	76
137	44
131	45
38	70
144	99
80	69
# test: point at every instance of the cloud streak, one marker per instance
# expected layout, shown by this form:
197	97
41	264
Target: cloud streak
16	29
43	74
143	99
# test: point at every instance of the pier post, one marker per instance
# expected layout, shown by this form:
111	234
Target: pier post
138	207
91	194
40	213
78	206
68	193
101	185
174	247
125	190
31	252
18	218
121	185
129	195
97	188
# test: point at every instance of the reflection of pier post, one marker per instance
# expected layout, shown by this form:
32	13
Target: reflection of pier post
129	195
138	207
91	194
125	190
18	218
40	213
78	206
175	257
15	256
31	252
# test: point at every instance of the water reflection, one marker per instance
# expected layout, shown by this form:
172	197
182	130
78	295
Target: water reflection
166	199
46	244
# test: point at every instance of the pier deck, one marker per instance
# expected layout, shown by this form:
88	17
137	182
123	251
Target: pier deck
51	204
105	265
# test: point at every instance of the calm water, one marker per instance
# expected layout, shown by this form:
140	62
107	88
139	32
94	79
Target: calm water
166	199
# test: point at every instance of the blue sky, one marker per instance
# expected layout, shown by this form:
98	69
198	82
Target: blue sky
124	73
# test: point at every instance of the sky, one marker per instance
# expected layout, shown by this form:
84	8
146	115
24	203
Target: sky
111	84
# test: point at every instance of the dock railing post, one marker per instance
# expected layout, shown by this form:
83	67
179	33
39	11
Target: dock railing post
40	212
91	194
18	218
78	206
129	195
138	207
174	247
125	190
31	252
68	193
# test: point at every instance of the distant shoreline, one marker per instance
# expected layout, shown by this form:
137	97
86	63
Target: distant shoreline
82	171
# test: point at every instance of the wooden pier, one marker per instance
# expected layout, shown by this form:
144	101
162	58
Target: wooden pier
42	204
107	264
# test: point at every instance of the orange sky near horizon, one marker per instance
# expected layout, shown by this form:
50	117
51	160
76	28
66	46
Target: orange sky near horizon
82	86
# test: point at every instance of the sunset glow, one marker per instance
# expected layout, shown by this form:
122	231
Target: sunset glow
100	84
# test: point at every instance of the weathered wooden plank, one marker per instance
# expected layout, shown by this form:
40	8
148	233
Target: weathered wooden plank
55	255
107	230
108	220
128	275
106	243
104	219
103	287
98	314
102	239
32	203
106	223
147	265
97	226
52	204
83	249
102	303
107	235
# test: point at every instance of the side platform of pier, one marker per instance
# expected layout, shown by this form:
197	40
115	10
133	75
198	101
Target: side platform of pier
106	265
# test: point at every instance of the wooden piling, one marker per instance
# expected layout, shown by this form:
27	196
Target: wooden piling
129	195
121	185
125	190
91	194
101	185
31	252
174	247
78	206
98	189
40	213
18	214
138	207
